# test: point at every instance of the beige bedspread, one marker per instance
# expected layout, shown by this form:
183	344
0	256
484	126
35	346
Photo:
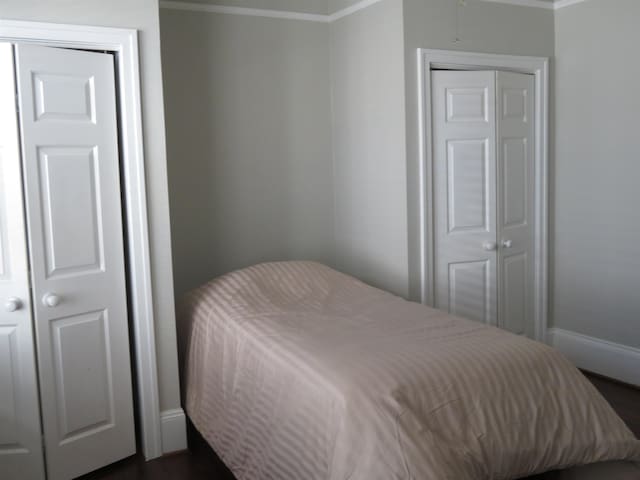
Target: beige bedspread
295	371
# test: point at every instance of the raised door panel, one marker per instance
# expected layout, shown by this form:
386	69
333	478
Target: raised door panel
85	394
9	393
467	185
20	432
5	267
69	181
467	104
515	302
516	178
470	290
515	104
72	188
64	97
20	453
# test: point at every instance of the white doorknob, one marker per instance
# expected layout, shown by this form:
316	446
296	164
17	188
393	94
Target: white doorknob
489	246
50	300
13	304
507	243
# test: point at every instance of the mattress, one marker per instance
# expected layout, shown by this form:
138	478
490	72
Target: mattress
292	370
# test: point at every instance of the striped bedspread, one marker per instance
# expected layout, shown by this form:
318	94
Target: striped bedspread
295	371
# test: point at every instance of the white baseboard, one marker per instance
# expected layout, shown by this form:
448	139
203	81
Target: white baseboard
174	430
598	356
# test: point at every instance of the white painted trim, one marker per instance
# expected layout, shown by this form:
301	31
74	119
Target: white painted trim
125	43
352	9
253	12
598	356
261	12
539	67
558	4
313	17
174	430
526	3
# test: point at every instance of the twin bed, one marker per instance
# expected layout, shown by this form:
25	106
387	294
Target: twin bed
294	371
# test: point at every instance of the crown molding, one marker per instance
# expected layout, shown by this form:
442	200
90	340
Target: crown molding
556	5
261	12
252	12
565	3
312	17
526	3
352	9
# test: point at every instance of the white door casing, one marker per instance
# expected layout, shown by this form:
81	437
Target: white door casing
74	219
464	172
20	439
538	67
515	154
123	42
483	172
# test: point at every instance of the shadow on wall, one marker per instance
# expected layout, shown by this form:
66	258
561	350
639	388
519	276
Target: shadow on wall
248	142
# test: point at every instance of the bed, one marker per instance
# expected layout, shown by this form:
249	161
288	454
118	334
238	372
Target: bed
292	370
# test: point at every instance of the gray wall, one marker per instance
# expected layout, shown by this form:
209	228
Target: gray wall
483	27
142	15
367	83
596	228
240	193
301	6
249	146
375	119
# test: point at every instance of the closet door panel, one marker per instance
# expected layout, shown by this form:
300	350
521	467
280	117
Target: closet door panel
71	216
467	186
470	290
72	184
515	177
514	276
464	186
20	431
84	389
515	139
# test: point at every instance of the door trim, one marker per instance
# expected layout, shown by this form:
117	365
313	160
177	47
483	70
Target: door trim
539	68
124	42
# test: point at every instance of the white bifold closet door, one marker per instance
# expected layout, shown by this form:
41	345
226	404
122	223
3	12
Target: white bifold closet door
70	163
20	431
483	135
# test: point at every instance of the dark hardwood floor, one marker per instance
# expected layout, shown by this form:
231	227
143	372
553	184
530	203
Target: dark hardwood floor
200	462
